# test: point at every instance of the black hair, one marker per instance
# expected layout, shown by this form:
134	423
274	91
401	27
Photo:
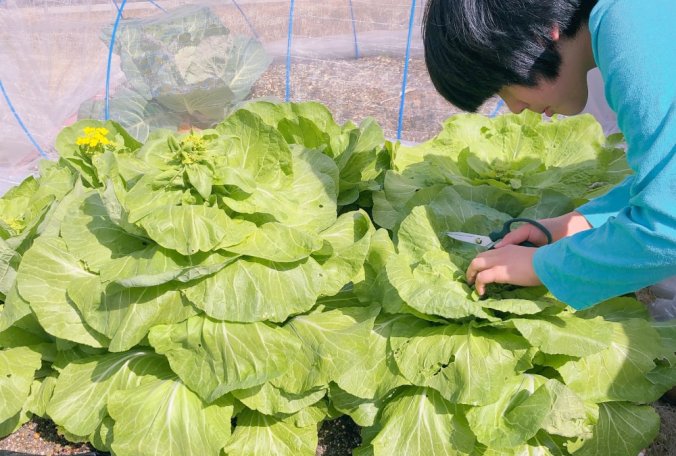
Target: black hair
473	48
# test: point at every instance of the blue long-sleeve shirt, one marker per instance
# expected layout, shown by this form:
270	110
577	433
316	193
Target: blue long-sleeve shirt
632	243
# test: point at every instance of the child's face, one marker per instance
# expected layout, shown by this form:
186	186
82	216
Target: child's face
567	94
560	96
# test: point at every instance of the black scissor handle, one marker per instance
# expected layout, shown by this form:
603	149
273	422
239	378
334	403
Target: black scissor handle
507	227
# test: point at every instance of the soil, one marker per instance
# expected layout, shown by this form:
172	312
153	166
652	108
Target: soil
336	438
367	87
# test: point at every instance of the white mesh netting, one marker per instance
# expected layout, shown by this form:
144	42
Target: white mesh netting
176	64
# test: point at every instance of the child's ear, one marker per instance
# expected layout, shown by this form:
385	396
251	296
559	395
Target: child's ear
555	33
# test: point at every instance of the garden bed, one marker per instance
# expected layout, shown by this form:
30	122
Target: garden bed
336	438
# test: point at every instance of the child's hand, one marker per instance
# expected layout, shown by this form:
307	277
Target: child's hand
511	264
560	227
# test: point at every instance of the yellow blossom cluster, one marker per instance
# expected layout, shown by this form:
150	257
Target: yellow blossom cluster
93	138
195	141
17	225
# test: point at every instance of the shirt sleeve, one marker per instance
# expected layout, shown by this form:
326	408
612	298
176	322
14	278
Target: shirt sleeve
633	240
599	210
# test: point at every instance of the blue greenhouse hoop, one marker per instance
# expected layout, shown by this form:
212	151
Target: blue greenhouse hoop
289	38
354	31
497	108
404	81
110	57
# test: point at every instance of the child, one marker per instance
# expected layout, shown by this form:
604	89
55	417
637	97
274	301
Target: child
535	55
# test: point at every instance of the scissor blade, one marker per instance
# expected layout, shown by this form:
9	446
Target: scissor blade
475	239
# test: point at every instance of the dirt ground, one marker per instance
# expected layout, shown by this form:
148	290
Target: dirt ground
346	97
336	438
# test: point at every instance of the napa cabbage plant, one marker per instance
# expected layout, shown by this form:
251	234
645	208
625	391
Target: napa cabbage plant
183	67
518	163
231	282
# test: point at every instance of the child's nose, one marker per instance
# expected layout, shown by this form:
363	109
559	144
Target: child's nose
516	106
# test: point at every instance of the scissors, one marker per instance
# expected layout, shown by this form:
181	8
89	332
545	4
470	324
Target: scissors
493	238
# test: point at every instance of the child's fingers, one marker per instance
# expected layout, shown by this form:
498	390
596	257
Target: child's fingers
516	237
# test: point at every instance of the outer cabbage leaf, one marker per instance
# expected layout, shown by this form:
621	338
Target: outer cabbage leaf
373	374
84	386
13	309
276	242
330	342
188	426
14	423
566	334
426	226
44	276
307	202
364	412
312	415
623	428
376	286
102	437
348	242
258	434
14	202
466	364
25	334
155	265
421	421
190	229
258	148
432	287
271	400
528	404
519	305
617	309
41	393
125	315
147	197
24	208
618	373
251	290
214	358
93	237
667	332
17	369
56	179
551	204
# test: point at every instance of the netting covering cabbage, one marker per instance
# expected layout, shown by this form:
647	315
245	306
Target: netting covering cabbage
179	64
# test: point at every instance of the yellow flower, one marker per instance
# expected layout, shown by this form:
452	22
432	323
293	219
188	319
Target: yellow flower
191	146
93	140
17	225
195	141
